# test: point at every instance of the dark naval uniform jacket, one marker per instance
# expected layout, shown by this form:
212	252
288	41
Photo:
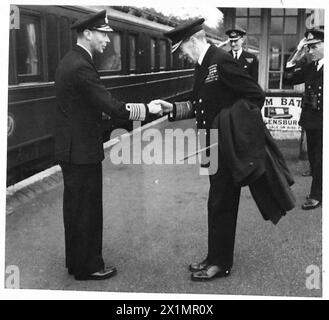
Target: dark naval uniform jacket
219	83
248	62
81	100
312	104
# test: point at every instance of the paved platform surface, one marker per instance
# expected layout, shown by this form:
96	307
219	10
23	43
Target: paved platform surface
155	224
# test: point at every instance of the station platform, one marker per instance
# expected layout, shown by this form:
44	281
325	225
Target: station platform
155	225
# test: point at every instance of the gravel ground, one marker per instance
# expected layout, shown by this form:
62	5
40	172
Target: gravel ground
155	224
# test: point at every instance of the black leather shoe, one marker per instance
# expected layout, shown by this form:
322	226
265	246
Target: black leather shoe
210	273
99	275
311	204
198	266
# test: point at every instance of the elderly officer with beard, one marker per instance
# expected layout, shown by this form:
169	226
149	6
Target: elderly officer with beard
81	100
228	99
219	83
299	70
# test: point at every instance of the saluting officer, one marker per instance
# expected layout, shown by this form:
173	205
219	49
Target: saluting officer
247	60
219	82
81	100
310	73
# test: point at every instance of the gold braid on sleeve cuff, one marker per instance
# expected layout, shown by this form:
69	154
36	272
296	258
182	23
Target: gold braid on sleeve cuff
184	110
137	111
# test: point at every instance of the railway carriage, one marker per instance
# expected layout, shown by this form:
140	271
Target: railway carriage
137	66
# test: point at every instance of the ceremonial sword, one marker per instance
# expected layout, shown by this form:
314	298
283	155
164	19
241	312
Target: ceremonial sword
197	152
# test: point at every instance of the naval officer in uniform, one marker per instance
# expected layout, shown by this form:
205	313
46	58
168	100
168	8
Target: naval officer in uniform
219	82
247	60
81	100
310	73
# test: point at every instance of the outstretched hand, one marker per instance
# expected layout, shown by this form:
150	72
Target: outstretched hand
166	107
155	108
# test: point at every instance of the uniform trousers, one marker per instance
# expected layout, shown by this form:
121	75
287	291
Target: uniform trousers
314	151
83	217
223	203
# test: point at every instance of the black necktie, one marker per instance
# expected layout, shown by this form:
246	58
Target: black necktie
236	56
317	65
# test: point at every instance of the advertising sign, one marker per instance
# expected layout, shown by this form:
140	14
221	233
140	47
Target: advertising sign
282	113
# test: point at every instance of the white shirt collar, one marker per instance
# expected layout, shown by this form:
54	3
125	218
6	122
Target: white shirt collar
203	53
238	52
82	46
320	63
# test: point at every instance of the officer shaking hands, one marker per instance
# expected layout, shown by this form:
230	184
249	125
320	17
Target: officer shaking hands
218	84
81	99
300	70
247	60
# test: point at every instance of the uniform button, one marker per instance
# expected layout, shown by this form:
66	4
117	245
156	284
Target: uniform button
204	122
200	100
196	122
309	87
195	112
319	101
202	111
193	102
320	87
318	108
251	163
319	94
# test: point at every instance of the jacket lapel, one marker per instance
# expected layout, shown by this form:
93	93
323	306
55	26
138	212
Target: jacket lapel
85	55
242	56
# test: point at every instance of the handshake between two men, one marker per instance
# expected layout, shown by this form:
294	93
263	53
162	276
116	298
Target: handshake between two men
160	107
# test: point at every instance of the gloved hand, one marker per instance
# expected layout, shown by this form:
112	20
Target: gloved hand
301	44
155	108
165	106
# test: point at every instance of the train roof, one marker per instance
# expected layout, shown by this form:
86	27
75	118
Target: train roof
146	18
130	17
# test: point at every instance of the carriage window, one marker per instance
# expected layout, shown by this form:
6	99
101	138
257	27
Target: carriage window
184	61
177	60
110	59
163	54
132	52
28	46
65	37
152	54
